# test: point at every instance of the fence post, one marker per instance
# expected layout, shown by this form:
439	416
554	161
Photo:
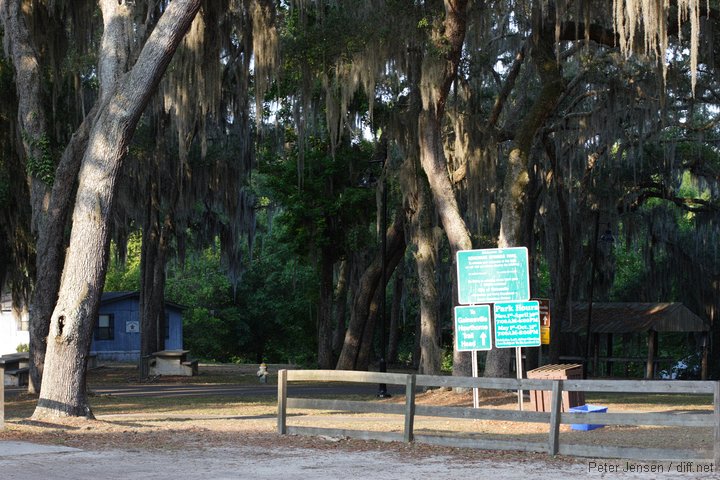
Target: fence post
282	402
409	408
2	397
555	407
716	401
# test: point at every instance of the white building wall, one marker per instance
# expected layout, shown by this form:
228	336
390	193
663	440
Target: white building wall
10	334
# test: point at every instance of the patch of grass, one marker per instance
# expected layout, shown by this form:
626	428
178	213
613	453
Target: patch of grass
195	405
654	399
127	374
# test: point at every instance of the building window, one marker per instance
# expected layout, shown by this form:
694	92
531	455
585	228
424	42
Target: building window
24	323
105	327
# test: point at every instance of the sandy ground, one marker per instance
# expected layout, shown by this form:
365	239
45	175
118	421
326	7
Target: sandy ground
239	441
249	462
245	446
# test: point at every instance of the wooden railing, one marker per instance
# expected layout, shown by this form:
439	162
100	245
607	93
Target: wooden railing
2	397
554	418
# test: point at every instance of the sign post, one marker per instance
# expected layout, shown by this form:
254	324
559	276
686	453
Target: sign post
499	276
517	325
472	333
493	275
2	397
544	324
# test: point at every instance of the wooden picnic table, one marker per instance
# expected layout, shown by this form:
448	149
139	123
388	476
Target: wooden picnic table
15	368
172	362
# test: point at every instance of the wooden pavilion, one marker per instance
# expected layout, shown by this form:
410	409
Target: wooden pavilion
650	319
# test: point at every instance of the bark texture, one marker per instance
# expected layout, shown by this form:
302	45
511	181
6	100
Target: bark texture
364	296
438	75
516	222
63	389
325	310
51	195
340	305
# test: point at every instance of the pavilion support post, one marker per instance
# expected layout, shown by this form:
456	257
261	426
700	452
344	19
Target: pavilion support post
652	352
609	355
2	397
596	354
704	359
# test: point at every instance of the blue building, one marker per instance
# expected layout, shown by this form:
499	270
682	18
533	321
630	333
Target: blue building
117	329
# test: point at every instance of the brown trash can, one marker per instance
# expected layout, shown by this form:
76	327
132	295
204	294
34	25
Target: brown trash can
541	400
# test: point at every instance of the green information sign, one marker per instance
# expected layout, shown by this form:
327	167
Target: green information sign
517	324
493	275
472	328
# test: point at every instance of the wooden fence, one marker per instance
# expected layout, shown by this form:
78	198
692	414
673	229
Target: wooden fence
554	418
2	397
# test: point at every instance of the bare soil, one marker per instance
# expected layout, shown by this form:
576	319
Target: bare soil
164	426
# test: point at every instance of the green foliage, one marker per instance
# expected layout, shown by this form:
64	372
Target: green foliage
42	166
211	324
629	274
447	361
326	209
22	348
276	301
543	283
4	186
125	275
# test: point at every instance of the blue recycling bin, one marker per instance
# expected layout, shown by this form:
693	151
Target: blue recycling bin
587	409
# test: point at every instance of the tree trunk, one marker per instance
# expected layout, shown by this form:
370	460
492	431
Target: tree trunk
395	313
364	296
325	310
71	324
153	260
558	241
438	78
340	306
153	254
426	262
33	124
366	347
514	224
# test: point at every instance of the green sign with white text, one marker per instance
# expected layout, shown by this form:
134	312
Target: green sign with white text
493	275
472	328
517	324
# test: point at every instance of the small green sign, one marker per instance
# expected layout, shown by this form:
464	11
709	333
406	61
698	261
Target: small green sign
493	275
472	328
517	324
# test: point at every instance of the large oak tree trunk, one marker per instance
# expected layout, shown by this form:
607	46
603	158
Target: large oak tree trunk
514	225
48	213
364	295
71	324
395	314
425	255
157	231
340	305
437	80
325	309
366	347
153	260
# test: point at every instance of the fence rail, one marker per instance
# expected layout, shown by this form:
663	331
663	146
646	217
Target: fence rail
554	418
2	397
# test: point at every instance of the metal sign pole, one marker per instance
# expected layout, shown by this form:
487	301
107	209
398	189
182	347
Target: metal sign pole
476	392
518	370
2	397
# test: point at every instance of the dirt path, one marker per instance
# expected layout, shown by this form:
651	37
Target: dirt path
258	463
197	429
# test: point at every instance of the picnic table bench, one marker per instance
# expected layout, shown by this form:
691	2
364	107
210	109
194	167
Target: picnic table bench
15	368
173	362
